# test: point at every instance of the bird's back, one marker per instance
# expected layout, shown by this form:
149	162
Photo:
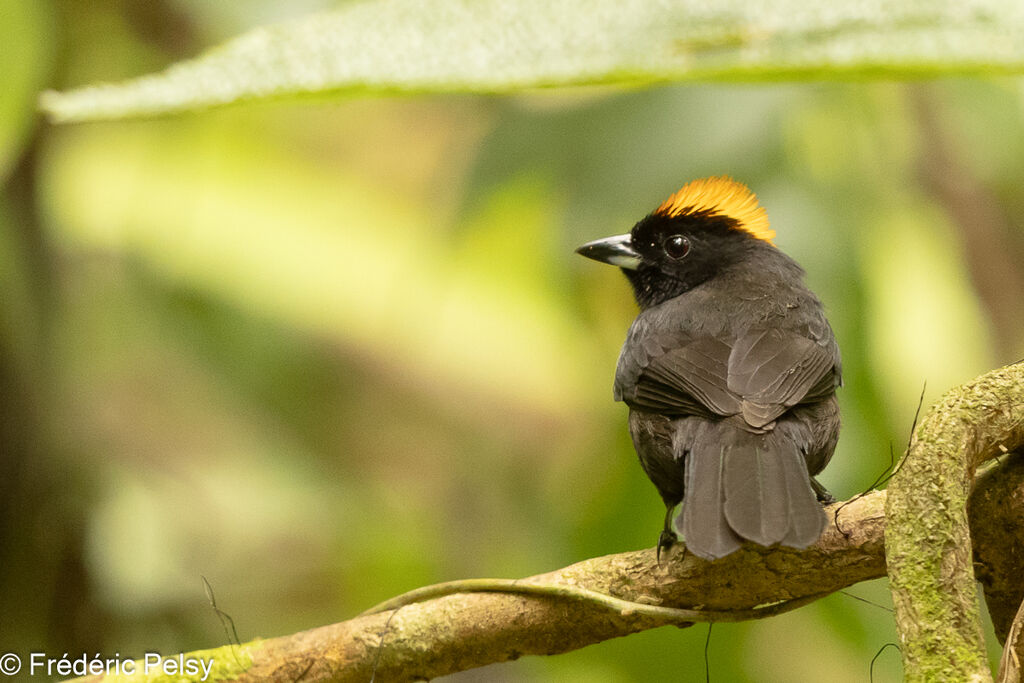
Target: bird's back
731	387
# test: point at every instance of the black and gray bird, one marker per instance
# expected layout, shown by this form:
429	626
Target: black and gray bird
729	372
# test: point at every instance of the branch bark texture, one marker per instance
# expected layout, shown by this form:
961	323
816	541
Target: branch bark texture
467	630
928	545
996	514
463	631
929	565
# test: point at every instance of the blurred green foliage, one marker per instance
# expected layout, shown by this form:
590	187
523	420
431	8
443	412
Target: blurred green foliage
327	351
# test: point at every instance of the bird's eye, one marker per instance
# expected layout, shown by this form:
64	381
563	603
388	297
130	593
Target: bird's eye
676	246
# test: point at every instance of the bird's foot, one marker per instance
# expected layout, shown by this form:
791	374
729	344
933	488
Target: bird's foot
822	493
666	540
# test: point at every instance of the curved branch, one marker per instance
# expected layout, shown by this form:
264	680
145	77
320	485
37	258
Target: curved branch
466	630
461	631
928	545
616	595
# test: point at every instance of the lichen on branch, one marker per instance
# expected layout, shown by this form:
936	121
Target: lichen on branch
435	631
928	544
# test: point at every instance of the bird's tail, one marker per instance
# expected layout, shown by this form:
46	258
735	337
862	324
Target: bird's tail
742	486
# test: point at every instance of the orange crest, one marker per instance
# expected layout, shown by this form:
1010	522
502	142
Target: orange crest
723	196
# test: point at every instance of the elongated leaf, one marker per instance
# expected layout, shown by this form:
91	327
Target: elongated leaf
503	46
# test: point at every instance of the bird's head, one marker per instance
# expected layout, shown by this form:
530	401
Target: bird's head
706	226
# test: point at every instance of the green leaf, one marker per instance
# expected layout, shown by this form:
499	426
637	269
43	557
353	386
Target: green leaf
502	46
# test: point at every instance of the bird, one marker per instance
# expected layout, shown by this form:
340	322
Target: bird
729	371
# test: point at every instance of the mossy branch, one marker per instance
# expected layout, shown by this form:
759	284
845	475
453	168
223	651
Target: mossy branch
462	625
928	545
553	613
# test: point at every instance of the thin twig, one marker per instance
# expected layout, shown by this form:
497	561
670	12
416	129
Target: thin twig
667	615
889	470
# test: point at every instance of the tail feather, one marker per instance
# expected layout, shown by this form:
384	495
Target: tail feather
807	519
743	486
754	483
702	518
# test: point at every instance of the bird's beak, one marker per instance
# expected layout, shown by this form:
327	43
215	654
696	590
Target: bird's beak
617	250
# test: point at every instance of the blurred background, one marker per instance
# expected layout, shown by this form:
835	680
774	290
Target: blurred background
325	352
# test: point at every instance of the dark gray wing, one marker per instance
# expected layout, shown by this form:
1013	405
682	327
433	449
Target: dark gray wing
760	375
690	380
774	370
